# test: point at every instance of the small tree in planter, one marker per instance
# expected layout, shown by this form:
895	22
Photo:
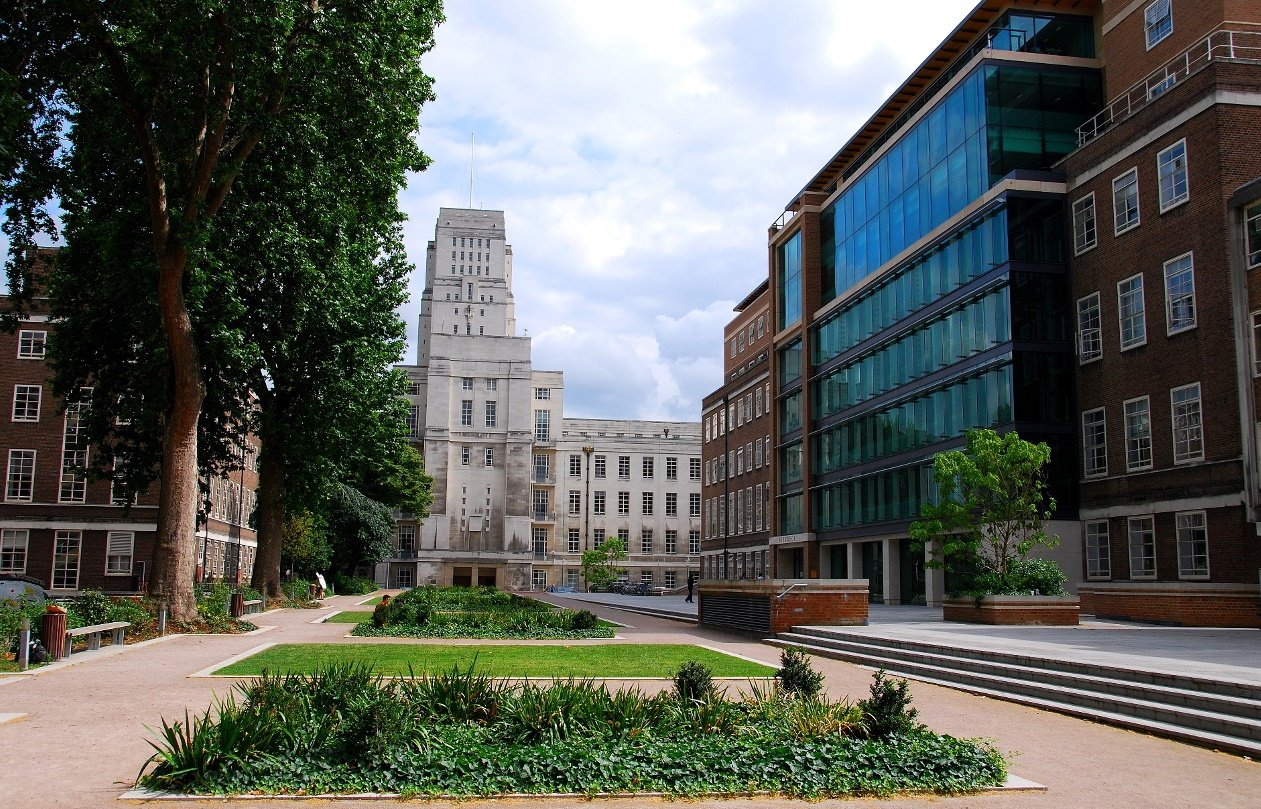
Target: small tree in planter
599	566
991	513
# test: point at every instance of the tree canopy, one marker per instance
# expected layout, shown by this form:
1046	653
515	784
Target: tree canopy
599	565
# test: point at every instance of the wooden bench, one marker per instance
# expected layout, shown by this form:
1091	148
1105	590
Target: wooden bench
93	633
252	606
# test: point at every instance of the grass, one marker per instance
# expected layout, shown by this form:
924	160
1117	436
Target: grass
595	661
349	617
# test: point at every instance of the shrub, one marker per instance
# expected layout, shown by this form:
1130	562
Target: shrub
796	676
347	585
888	710
1034	577
817	718
11	613
90	607
693	682
583	619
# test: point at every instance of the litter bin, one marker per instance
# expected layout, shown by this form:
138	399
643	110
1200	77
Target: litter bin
238	605
52	632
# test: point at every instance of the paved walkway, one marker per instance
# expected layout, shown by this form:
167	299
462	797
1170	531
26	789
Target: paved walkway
80	738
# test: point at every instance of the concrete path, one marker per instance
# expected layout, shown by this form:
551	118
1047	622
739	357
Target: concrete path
79	737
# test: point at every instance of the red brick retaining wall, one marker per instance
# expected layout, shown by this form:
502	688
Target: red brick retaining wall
762	607
1181	604
1013	611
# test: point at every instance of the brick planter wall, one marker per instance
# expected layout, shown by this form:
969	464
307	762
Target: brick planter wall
769	607
1176	603
1013	610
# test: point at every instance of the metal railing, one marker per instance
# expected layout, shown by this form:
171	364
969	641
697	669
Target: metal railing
1220	45
547	478
543	516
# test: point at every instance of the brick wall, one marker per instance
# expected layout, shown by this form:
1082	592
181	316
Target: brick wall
755	606
1180	605
1012	611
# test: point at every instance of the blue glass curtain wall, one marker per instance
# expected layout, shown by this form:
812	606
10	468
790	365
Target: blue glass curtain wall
1052	34
975	326
967	254
895	494
790	515
984	399
1032	115
790	281
790	363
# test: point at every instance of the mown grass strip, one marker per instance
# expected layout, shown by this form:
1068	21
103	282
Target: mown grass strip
581	661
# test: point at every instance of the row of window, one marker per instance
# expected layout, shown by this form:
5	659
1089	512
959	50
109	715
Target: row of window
740	411
743	511
739	565
648	466
466	415
599	503
754	331
470	242
1191	537
1186	424
753	455
646	546
1173	189
466	456
1180	310
483	297
67	547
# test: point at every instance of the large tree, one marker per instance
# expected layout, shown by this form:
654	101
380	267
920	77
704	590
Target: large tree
194	86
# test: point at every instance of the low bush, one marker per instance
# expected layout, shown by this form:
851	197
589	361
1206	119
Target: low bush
796	677
583	619
888	710
693	682
346	585
476	612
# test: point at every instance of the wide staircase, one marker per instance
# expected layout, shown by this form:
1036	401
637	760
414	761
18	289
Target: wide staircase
1218	714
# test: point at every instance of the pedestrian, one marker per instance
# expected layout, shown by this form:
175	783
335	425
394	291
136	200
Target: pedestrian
691	582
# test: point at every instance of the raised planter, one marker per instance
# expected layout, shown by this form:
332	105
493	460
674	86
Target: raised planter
1013	610
764	607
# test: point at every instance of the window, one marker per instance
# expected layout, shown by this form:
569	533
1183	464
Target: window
464	456
21	475
542	468
74	458
672	504
466	383
575	540
757	403
575	502
1138	435
1098	555
597	536
575	465
466	413
407	538
647	503
694	468
118	552
1188	435
1180	293
671	578
1094	439
31	344
26	402
672	468
13	545
694	541
648	463
601	467
1125	201
1252	234
1142	532
542	393
623	467
490	456
491	414
1192	529
1157	21
757	508
672	541
1133	323
757	455
491	384
597	503
413	421
645	540
1085	235
1171	172
66	548
1256	343
539	501
623	503
413	388
694	504
645	577
542	425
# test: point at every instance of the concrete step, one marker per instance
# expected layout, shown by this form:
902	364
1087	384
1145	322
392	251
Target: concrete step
1209	728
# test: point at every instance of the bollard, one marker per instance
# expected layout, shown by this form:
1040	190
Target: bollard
24	644
161	618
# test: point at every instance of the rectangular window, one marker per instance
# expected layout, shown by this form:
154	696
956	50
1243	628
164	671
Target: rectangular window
1192	528
1252	234
490	456
66	547
672	541
672	504
13	545
575	502
671	579
31	344
1094	439
21	475
1085	234
1171	172
1157	21
623	503
407	538
694	541
1098	554
1180	293
672	468
26	400
1125	201
413	421
694	468
413	388
647	503
542	425
597	503
542	393
623	467
466	383
466	413
1132	322
597	537
118	552
491	384
645	540
575	540
648	467
1089	329
1188	434
575	465
757	507
645	577
1138	435
694	504
1142	532
464	456
491	415
601	467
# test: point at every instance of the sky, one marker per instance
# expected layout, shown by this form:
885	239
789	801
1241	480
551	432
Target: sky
640	150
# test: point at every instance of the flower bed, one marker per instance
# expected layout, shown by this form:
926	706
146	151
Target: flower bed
477	612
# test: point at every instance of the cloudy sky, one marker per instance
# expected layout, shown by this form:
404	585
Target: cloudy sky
639	150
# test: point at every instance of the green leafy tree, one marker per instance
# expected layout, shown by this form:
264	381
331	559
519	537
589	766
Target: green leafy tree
599	565
362	530
193	87
990	514
306	548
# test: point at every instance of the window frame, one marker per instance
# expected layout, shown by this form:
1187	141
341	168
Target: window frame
1187	458
32	344
1152	25
1117	227
1142	312
1085	238
59	556
1162	174
9	479
110	555
1098	566
18	536
1131	467
1256	343
1087	471
1150	531
1252	235
1082	358
1189	257
26	417
1195	574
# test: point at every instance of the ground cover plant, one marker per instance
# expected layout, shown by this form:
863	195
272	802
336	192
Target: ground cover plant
460	733
397	659
477	612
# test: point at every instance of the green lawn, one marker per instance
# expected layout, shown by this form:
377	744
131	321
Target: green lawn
349	617
595	661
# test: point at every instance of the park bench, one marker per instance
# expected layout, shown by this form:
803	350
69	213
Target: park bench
252	606
94	632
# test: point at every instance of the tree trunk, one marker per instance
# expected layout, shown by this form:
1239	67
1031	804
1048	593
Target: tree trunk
271	512
175	547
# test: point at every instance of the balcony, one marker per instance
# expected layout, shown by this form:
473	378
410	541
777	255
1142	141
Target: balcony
543	516
543	478
403	553
1221	45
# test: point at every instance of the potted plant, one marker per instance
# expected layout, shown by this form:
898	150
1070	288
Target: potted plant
989	517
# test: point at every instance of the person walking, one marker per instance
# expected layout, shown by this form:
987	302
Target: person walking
691	582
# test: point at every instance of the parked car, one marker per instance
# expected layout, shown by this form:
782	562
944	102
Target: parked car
14	587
